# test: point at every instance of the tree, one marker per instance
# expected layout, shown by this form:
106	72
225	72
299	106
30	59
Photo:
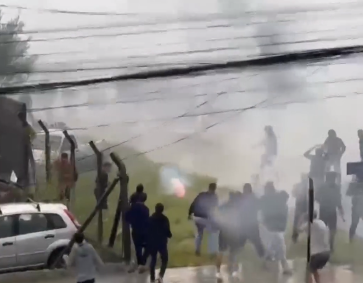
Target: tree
16	64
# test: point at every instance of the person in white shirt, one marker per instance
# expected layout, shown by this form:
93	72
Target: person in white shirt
84	259
320	246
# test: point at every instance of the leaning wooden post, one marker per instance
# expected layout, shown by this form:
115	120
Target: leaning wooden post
121	210
71	191
87	222
98	188
47	153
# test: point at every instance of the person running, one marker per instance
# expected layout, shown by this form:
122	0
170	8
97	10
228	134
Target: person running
248	221
318	164
300	193
274	212
139	194
334	148
84	259
270	144
360	137
320	247
158	235
138	217
330	201
229	231
201	209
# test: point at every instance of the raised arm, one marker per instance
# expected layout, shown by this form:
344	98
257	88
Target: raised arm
308	154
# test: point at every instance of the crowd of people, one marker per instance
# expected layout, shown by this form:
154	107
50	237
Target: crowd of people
245	216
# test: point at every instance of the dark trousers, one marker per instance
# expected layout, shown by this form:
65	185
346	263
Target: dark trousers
164	256
252	234
329	217
141	251
355	218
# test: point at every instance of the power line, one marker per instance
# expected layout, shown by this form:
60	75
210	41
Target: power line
262	61
315	8
144	32
79	105
143	100
205	102
194	115
207	40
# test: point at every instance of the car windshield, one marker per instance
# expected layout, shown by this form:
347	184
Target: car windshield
54	141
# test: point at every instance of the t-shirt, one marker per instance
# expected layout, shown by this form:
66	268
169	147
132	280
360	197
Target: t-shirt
317	166
333	146
319	237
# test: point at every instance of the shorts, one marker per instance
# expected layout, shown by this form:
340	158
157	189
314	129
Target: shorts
228	243
329	217
318	261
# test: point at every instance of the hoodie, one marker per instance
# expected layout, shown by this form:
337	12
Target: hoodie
274	210
138	217
203	204
85	260
159	230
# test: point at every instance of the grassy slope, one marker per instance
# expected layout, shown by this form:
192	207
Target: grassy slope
142	170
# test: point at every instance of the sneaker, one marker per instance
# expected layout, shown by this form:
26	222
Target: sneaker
218	275
235	274
159	280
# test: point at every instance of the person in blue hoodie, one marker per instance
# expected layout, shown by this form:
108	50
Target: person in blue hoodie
201	209
158	235
274	212
138	217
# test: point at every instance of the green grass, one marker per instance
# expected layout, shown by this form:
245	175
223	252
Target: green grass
181	246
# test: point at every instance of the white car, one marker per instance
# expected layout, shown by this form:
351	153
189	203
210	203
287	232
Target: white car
32	235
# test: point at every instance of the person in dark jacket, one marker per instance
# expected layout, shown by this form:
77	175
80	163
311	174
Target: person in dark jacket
139	194
158	235
330	200
138	217
274	211
201	208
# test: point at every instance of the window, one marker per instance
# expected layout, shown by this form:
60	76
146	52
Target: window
6	226
32	223
55	221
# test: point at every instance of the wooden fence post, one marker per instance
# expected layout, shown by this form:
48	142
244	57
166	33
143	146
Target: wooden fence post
122	207
98	187
47	153
310	221
71	191
88	220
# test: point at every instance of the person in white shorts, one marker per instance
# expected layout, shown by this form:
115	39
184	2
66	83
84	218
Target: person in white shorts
320	246
274	212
